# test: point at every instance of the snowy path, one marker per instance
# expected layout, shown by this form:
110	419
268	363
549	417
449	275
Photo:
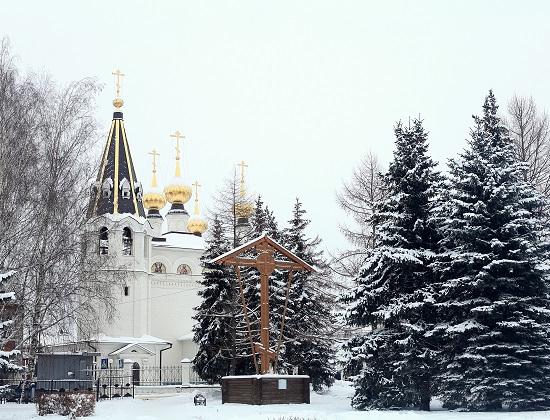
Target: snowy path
332	406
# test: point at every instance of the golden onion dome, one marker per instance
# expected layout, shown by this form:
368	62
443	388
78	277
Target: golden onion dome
197	225
177	191
244	209
154	199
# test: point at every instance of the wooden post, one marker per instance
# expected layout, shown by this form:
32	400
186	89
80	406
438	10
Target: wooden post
264	309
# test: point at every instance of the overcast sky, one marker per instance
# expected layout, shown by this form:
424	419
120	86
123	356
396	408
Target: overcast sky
298	89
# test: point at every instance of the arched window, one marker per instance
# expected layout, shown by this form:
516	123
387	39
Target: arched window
126	241
158	268
125	188
103	241
184	269
107	187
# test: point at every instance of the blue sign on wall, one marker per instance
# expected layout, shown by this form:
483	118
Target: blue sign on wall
104	363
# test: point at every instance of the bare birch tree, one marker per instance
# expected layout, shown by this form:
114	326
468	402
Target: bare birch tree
47	135
358	198
530	131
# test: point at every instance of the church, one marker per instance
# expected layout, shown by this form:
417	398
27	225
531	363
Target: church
159	256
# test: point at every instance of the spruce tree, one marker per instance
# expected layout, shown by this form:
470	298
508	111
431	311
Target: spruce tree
391	359
306	345
494	308
213	332
6	356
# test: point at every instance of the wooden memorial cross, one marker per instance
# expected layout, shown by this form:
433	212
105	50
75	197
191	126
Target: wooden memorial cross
265	263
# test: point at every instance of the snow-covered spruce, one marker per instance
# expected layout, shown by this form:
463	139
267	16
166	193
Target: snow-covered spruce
213	330
493	304
307	346
391	359
6	364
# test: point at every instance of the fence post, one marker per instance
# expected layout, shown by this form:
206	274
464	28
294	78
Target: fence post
186	372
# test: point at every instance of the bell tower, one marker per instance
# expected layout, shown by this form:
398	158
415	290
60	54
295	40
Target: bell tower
116	189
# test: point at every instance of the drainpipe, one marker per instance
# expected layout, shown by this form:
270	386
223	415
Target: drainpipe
160	362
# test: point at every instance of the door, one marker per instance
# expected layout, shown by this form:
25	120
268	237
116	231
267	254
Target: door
135	373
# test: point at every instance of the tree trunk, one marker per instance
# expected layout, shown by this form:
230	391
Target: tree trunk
425	394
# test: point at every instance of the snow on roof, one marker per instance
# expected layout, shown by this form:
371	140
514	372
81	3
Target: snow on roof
7	274
144	339
7	295
127	347
121	216
181	240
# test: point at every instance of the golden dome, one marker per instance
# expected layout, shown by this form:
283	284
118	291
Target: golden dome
244	209
154	200
177	191
118	102
197	224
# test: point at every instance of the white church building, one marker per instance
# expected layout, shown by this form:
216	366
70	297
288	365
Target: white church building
161	267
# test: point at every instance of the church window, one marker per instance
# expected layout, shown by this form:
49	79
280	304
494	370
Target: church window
106	188
158	268
125	188
138	190
103	241
184	269
126	241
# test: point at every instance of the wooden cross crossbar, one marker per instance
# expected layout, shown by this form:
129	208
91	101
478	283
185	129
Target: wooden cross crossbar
265	263
251	262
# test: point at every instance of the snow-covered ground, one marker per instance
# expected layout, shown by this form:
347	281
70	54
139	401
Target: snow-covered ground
333	405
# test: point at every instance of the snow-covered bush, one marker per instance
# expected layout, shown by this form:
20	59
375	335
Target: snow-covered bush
72	404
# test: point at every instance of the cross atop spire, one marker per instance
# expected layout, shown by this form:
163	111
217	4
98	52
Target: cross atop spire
197	186
118	75
154	154
117	102
242	189
178	136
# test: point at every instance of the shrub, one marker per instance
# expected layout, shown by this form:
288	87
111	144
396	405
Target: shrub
72	404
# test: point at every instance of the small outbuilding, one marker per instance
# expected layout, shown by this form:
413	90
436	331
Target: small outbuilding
65	370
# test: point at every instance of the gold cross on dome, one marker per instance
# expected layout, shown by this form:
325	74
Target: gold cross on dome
117	73
177	135
154	153
242	165
197	186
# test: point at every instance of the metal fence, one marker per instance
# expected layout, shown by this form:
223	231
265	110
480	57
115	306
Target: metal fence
106	383
152	375
113	387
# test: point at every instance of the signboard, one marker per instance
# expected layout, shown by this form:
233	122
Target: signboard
104	363
282	384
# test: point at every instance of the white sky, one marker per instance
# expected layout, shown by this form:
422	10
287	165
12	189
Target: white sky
298	89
